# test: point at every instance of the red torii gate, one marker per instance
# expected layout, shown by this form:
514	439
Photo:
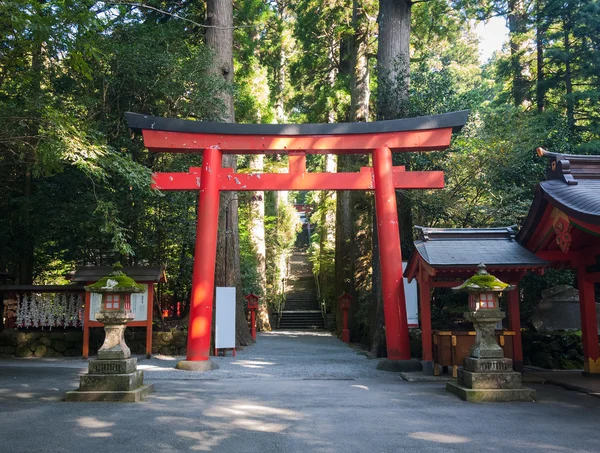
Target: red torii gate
380	138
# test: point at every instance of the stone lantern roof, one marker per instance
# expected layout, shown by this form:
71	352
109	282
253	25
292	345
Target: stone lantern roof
483	282
115	282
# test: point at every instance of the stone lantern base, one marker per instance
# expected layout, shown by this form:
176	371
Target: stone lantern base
115	380
114	375
483	380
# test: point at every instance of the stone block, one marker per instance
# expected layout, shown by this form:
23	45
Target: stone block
59	345
130	396
197	365
111	382
488	365
165	338
8	349
4	339
490	395
49	352
168	350
23	351
72	352
45	341
510	380
179	339
124	366
74	337
40	350
113	355
21	337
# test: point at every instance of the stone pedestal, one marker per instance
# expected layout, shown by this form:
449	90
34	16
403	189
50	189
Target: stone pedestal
114	375
483	380
487	375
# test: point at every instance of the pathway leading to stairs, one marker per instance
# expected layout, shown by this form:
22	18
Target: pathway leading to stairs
302	310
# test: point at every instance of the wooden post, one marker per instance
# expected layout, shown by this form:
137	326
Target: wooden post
589	323
203	278
514	320
390	255
149	316
425	318
86	326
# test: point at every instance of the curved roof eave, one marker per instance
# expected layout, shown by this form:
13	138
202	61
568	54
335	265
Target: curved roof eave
454	120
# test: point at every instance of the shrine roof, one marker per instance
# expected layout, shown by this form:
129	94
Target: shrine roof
137	273
572	186
454	120
468	247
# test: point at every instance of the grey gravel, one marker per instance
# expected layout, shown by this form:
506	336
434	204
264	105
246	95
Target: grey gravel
276	355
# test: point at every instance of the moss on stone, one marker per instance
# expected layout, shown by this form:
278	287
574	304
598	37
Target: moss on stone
485	282
116	282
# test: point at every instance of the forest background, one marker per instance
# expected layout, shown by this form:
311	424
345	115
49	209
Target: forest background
75	181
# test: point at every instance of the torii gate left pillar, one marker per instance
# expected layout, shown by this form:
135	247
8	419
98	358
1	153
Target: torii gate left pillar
167	135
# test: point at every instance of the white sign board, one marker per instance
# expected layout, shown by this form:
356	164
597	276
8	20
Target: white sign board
412	303
225	318
139	304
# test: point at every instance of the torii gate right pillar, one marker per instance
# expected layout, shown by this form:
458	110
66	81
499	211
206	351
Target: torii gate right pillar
390	256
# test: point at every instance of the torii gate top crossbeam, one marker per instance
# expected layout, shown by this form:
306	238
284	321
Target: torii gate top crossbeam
426	133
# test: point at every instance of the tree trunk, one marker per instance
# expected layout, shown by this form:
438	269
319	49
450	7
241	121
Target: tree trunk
517	27
219	38
257	237
346	249
393	58
568	74
539	41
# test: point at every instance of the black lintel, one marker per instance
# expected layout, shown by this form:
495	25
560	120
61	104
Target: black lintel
455	120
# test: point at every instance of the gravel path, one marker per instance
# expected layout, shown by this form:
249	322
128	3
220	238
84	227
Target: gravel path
279	354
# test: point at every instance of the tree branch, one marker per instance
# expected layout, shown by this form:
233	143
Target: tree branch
177	16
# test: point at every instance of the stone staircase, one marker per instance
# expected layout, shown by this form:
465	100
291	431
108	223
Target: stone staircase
302	310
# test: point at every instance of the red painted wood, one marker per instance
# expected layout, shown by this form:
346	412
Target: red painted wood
345	330
203	282
253	324
149	318
425	317
514	322
86	326
392	282
589	322
362	180
185	142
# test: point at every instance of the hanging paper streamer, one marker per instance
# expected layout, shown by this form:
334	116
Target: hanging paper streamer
49	310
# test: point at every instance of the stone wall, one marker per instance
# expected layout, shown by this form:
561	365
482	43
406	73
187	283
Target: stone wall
41	343
60	343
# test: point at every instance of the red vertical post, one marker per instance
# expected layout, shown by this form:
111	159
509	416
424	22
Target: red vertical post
149	316
86	324
425	315
390	255
514	320
589	323
203	278
253	324
345	330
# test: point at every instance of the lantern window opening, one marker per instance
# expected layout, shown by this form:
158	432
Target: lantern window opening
112	302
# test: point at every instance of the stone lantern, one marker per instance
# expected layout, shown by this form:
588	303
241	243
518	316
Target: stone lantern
114	375
115	311
487	375
484	311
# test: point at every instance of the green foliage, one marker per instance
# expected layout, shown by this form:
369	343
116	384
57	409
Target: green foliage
553	350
